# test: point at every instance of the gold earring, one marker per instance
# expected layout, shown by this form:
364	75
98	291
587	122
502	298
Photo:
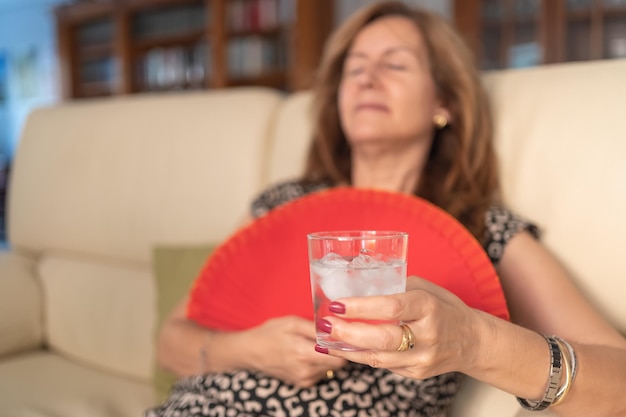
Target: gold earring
440	121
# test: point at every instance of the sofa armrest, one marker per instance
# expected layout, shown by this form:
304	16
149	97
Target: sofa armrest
21	325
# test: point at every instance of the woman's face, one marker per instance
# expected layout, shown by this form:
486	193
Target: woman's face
387	92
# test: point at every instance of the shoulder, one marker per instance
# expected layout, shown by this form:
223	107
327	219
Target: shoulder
501	224
281	193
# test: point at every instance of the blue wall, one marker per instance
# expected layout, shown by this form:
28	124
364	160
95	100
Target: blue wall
28	49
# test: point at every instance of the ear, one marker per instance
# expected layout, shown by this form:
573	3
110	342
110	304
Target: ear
441	110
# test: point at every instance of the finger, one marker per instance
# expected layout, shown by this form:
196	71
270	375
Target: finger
328	373
379	359
329	362
303	327
321	362
323	370
409	306
378	337
395	351
416	283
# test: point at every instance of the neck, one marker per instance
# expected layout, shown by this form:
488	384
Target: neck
389	169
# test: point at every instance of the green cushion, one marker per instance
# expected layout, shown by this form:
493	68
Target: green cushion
175	268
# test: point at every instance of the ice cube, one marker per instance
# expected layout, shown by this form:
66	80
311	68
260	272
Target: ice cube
325	265
334	260
368	259
336	283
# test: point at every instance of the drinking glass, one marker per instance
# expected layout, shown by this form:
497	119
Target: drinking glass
354	263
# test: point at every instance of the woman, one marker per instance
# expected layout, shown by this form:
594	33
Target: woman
398	106
446	335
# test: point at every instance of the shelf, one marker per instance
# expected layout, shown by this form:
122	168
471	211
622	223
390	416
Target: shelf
110	47
614	11
95	51
562	31
173	87
80	12
273	31
96	89
140	5
186	39
275	79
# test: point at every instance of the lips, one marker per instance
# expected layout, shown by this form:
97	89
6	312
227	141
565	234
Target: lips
372	107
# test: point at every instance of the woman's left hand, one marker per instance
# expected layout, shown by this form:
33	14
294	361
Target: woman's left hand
447	331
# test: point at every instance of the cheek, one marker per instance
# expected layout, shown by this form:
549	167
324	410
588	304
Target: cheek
344	103
415	106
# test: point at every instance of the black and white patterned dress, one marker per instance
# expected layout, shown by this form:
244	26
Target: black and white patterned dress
356	390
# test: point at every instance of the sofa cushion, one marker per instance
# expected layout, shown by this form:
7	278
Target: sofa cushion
20	304
174	268
100	312
138	170
562	153
43	384
290	139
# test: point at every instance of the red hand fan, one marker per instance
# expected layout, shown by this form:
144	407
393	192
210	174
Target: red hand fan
262	271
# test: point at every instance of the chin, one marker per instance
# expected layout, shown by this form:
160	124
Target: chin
367	135
365	140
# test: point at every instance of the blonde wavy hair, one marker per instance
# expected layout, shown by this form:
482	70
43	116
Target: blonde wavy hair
461	173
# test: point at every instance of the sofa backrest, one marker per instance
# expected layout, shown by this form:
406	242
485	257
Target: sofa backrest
117	175
561	140
290	138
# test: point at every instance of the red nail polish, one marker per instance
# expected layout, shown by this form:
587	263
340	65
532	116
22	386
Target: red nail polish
324	325
337	308
320	349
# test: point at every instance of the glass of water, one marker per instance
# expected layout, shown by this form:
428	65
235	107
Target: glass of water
355	263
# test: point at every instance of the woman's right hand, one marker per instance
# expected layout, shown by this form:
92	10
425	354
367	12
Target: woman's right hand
283	347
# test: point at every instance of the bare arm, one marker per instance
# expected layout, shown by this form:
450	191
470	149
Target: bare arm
542	297
452	337
181	344
281	347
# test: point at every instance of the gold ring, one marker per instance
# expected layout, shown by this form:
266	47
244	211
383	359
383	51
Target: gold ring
408	338
330	374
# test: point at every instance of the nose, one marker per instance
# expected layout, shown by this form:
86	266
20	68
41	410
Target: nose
368	77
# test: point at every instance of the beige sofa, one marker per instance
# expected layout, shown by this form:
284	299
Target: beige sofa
96	185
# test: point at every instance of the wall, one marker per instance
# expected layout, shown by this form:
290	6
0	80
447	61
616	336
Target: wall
28	47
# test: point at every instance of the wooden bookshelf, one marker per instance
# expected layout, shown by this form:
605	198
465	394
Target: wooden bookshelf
111	47
518	33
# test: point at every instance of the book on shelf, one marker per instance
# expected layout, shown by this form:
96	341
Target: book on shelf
102	70
95	32
169	21
175	68
258	15
253	56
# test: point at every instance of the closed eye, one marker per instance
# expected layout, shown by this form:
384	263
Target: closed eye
353	72
395	67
